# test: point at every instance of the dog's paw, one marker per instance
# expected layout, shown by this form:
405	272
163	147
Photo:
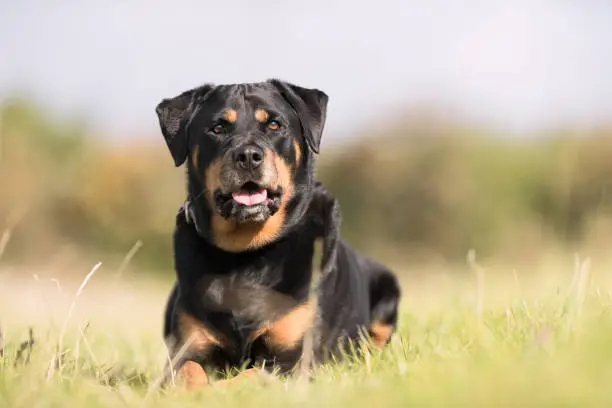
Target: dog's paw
192	376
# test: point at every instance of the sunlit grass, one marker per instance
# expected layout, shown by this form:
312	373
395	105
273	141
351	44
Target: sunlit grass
495	340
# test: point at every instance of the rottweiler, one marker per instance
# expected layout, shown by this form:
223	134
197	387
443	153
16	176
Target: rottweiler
244	241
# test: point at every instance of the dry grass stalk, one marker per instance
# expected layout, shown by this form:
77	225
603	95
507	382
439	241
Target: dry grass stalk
56	359
128	257
479	271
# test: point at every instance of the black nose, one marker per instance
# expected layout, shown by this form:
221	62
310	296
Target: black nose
248	157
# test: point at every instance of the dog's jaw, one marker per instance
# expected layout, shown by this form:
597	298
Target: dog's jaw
230	208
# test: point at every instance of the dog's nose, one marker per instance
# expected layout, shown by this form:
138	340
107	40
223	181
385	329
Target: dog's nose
248	157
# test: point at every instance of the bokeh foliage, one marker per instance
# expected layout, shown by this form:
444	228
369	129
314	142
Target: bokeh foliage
417	188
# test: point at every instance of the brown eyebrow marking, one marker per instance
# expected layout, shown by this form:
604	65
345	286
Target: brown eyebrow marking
230	115
261	115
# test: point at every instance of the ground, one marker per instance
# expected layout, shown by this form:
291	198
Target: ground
540	336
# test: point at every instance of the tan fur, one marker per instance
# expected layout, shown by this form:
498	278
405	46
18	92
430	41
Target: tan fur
261	116
194	157
286	331
249	373
380	333
193	331
212	177
230	115
298	153
193	376
283	177
234	237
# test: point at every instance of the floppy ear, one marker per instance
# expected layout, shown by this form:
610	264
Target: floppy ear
311	107
174	116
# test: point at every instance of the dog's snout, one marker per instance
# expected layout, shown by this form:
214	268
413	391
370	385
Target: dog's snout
248	157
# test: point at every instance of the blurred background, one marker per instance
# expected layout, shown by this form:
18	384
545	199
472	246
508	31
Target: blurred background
451	125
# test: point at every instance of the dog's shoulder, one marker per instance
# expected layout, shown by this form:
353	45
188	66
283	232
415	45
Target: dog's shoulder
323	210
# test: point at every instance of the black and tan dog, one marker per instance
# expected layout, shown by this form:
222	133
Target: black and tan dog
244	241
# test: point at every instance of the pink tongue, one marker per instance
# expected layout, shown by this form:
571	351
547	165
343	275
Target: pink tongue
250	198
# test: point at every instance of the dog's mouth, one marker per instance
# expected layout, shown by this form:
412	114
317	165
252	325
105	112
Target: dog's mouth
250	194
251	202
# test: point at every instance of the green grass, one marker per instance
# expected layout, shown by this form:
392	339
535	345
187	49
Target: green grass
479	341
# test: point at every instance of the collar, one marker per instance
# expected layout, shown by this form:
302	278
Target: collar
190	216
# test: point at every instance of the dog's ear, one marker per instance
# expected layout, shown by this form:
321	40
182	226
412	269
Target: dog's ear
174	116
311	107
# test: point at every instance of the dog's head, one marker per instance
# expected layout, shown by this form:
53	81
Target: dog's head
250	156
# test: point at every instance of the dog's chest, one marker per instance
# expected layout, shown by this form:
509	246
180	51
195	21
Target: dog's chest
257	322
277	341
255	304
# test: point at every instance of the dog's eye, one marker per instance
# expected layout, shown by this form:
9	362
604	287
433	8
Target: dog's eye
273	125
218	129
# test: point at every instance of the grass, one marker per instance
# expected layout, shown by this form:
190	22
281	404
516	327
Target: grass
488	338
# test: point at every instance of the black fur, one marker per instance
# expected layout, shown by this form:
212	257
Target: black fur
234	292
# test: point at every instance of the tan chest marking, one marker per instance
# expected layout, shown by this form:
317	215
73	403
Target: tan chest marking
287	331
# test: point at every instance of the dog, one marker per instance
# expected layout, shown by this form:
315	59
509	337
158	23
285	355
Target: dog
244	241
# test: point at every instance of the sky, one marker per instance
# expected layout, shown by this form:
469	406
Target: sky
519	65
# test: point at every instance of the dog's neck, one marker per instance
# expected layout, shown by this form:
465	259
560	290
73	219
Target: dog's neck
254	237
200	217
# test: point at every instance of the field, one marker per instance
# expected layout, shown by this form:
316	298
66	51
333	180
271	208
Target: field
526	324
483	335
